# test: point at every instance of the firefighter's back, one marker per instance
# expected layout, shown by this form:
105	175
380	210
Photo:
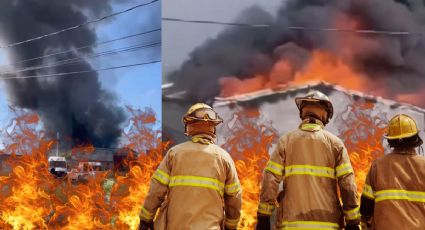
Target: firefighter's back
309	179
398	182
197	178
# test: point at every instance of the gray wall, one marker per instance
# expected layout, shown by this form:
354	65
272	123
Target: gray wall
280	108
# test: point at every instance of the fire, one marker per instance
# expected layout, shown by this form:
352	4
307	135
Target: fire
131	189
32	198
81	206
249	143
326	67
321	66
24	193
251	139
362	134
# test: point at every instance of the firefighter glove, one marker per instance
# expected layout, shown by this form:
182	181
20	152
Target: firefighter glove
263	222
353	227
145	225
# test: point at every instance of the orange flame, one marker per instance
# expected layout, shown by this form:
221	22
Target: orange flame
249	143
32	198
24	192
81	206
362	134
131	189
322	66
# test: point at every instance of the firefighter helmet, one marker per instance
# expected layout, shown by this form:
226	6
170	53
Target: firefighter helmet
401	126
201	112
316	96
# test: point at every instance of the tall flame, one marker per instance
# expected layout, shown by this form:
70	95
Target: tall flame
25	192
32	198
131	189
249	144
362	132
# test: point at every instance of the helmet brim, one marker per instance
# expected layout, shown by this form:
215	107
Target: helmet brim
195	119
300	100
406	135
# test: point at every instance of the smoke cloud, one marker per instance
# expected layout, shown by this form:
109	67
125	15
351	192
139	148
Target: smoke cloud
75	106
391	64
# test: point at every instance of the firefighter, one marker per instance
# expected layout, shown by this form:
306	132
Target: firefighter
196	185
394	193
311	162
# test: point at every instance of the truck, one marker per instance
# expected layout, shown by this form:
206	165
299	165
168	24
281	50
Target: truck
57	166
85	170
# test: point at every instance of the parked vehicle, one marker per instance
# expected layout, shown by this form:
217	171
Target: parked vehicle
57	166
85	170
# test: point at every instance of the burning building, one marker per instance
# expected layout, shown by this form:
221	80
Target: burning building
368	63
254	121
277	105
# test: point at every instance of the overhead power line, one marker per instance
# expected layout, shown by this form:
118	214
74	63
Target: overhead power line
75	73
301	28
215	22
77	26
82	47
80	59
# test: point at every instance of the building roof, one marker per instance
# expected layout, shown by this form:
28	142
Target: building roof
289	89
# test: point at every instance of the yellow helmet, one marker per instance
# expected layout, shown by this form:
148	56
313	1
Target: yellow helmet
201	112
401	126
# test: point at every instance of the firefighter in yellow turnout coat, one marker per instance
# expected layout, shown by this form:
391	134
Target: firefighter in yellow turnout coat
196	185
312	163
394	192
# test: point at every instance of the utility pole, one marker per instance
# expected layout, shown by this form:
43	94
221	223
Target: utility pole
57	144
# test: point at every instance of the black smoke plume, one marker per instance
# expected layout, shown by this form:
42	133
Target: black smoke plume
75	106
393	60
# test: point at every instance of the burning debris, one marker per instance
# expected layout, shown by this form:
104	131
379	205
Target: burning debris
243	59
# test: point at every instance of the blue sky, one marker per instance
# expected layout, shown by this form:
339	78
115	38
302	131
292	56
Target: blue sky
139	86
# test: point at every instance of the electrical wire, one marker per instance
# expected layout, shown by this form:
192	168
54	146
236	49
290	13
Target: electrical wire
301	28
80	59
81	47
77	26
80	72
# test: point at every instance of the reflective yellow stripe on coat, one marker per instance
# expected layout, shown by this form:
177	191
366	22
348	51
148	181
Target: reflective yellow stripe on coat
311	127
317	225
266	209
413	196
309	170
197	181
231	223
368	192
343	169
352	214
274	168
146	215
230	189
161	176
